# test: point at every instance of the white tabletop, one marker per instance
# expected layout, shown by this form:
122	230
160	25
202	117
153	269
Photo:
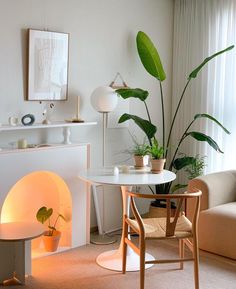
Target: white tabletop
20	231
134	177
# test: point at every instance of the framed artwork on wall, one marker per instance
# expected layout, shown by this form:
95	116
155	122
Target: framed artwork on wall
48	65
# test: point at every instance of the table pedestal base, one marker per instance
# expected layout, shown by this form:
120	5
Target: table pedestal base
112	260
12	262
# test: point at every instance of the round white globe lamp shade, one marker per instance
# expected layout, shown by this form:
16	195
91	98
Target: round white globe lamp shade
104	99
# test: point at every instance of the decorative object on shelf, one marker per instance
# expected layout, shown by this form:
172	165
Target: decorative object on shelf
115	86
48	65
77	118
104	100
28	119
152	63
47	112
22	143
51	237
66	135
13	121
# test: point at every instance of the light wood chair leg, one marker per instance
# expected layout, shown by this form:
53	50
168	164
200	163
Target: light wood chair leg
142	262
124	249
196	261
181	252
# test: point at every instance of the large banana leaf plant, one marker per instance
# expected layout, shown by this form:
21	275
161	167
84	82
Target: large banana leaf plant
151	61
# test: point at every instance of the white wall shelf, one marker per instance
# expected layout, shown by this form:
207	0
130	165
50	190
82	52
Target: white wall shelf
59	124
6	127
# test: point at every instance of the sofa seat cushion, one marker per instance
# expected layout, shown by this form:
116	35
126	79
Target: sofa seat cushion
217	230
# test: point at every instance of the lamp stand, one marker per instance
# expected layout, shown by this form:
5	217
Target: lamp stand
101	238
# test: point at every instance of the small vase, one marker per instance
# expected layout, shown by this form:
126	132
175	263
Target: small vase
51	242
157	165
141	161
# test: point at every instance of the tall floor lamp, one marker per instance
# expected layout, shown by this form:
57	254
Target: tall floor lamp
104	100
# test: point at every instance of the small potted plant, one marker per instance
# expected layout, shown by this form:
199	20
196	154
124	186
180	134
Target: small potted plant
157	161
140	153
52	236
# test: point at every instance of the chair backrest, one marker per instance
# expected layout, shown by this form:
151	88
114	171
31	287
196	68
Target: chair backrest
171	222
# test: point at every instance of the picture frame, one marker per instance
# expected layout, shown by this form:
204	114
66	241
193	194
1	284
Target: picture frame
48	59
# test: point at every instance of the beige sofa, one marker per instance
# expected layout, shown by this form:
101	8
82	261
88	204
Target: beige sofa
217	220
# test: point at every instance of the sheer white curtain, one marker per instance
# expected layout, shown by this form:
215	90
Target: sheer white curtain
201	28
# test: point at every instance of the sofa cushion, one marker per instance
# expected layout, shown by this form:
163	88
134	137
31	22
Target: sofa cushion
217	230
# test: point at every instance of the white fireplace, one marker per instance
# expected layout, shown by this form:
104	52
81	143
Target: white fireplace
48	176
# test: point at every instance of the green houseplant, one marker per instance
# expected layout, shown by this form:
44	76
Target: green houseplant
52	236
152	63
140	153
156	152
195	168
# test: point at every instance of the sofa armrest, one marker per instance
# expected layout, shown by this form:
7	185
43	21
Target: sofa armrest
217	189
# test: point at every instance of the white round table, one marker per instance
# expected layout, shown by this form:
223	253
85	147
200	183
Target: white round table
113	259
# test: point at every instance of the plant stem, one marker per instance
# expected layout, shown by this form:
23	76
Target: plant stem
181	140
148	114
149	118
56	221
163	116
151	190
50	230
176	111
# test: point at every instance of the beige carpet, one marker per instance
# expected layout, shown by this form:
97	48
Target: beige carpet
76	269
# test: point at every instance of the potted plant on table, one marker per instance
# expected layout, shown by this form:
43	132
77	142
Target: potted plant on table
140	153
152	63
52	236
157	157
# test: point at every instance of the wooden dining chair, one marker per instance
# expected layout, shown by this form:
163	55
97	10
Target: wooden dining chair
172	226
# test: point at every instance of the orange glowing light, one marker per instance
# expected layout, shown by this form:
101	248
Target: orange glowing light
37	189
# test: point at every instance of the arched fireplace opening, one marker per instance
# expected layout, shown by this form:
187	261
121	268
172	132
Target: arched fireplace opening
37	189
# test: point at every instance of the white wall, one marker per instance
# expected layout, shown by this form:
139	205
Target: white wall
102	42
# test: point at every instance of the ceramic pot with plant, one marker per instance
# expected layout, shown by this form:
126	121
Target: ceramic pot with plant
157	157
140	153
52	236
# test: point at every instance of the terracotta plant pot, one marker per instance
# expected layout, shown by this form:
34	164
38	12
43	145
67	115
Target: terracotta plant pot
141	161
157	165
51	242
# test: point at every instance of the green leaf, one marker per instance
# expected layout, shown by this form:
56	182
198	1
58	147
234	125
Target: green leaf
133	92
177	187
180	163
202	137
148	128
211	118
194	73
149	56
44	214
